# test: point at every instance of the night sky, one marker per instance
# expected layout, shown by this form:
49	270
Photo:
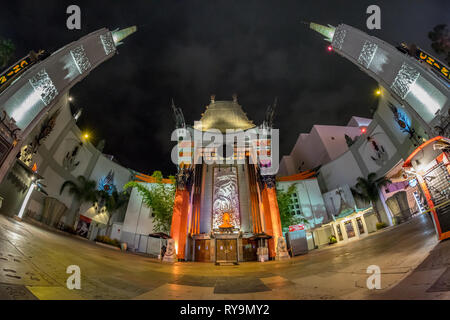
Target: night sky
189	50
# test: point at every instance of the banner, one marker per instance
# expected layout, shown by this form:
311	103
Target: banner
296	227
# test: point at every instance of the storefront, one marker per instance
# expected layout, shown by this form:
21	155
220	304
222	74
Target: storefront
351	226
429	164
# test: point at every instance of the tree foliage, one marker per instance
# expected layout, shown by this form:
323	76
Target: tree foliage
113	201
440	41
7	49
82	189
367	190
284	205
160	197
85	190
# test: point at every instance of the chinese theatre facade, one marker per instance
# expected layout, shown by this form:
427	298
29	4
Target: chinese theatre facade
225	208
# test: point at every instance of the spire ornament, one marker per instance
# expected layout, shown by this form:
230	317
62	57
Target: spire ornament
179	117
270	114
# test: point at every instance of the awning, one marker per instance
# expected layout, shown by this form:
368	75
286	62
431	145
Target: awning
427	152
161	235
308	174
260	236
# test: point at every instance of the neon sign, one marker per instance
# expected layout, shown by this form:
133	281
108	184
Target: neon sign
441	68
14	70
19	67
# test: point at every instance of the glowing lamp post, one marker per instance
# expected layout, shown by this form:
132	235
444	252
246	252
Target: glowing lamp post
27	197
25	201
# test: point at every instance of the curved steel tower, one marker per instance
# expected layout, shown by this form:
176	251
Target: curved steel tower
34	93
412	83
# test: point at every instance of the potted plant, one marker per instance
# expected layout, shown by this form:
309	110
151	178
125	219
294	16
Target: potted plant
332	239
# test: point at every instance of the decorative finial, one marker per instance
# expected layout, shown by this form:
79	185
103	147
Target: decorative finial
326	31
179	117
213	98
270	114
235	98
119	35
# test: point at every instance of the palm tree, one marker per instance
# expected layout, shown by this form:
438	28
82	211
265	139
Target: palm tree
7	49
367	189
112	202
440	37
82	189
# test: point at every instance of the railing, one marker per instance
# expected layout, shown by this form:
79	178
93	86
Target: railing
142	243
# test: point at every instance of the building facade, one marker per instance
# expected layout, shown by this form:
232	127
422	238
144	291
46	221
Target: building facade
225	208
42	146
411	116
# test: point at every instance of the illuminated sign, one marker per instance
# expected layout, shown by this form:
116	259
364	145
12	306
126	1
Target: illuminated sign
296	227
441	68
412	183
107	183
14	70
20	66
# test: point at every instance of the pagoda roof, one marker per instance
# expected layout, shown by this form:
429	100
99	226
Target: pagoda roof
223	115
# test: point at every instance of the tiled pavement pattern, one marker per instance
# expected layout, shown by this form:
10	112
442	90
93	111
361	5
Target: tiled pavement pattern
33	264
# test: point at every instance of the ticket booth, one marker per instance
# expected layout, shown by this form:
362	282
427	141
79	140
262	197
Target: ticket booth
430	164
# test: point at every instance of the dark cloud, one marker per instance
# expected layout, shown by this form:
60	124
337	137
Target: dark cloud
190	49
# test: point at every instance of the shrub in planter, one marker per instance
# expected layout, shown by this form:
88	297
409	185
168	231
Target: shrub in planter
332	239
381	225
108	240
115	242
69	229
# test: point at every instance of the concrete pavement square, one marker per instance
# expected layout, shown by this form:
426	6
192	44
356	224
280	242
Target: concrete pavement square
240	285
54	293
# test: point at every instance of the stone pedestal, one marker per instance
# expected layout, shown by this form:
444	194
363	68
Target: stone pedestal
171	255
282	253
263	254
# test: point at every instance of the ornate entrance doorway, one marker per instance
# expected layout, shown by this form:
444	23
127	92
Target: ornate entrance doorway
226	251
202	250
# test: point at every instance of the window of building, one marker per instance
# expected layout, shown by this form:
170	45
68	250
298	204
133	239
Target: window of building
349	229
360	225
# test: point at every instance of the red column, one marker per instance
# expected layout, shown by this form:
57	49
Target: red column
268	222
274	212
178	230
